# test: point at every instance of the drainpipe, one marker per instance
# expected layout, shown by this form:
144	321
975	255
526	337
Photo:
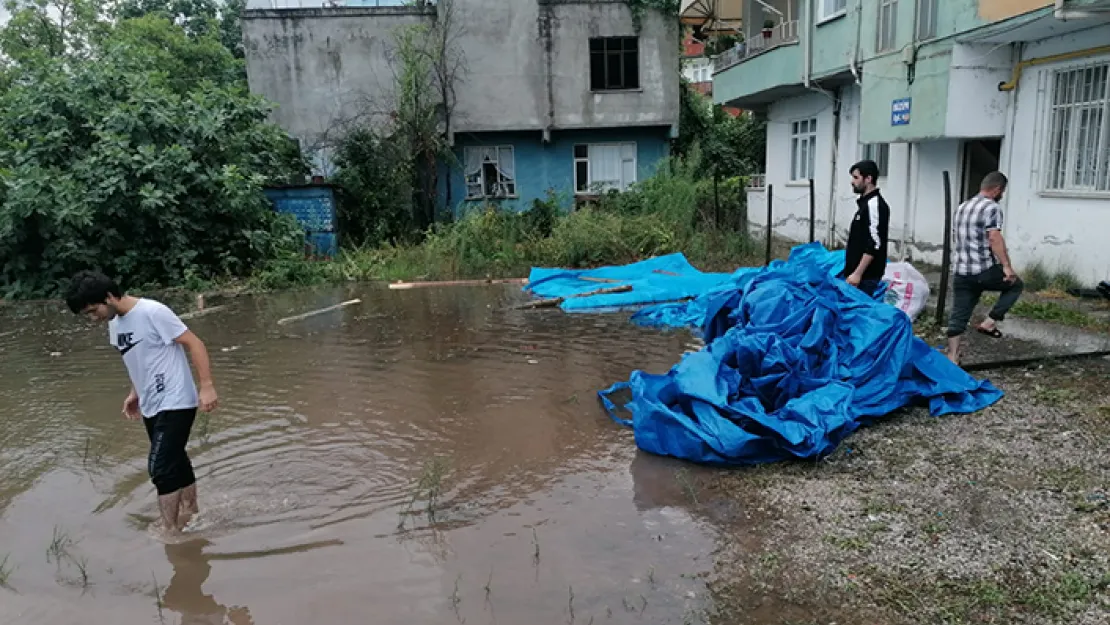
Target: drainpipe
1011	125
909	201
807	42
831	239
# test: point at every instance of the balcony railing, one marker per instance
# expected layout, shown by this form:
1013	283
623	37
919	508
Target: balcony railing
784	33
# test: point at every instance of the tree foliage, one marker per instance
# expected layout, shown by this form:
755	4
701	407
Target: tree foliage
731	146
139	152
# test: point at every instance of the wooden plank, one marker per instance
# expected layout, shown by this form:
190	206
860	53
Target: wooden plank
313	313
404	286
557	301
202	312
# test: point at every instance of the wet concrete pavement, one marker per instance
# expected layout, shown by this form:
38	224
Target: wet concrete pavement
309	473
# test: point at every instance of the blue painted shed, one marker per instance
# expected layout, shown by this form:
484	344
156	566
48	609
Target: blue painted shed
313	205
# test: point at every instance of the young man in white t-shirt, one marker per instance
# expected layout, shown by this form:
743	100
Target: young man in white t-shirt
152	341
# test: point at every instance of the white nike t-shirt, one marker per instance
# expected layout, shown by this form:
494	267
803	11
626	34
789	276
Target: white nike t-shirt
158	367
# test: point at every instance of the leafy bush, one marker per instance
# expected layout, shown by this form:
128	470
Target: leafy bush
113	164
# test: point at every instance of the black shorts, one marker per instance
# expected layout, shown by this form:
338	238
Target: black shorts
168	464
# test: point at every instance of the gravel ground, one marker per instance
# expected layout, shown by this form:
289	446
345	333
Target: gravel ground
996	517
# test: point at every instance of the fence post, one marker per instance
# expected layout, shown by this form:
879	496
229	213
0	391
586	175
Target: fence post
812	211
770	216
946	256
716	200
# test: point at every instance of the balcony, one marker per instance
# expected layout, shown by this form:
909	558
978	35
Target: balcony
785	33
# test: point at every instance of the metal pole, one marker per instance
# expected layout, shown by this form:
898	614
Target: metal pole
770	216
946	257
812	211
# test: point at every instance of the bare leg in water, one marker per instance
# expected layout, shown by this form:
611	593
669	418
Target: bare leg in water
169	504
189	506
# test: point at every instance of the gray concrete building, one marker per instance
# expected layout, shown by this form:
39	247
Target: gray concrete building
570	96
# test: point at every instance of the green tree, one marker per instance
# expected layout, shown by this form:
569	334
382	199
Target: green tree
118	164
45	29
197	18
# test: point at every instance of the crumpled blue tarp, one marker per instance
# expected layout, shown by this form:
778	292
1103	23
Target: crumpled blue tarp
796	360
667	278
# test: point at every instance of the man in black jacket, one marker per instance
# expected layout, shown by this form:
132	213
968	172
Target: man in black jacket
865	259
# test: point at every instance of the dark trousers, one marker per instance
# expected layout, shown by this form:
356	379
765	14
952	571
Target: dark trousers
968	289
169	466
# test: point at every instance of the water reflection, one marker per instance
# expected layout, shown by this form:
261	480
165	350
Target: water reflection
185	594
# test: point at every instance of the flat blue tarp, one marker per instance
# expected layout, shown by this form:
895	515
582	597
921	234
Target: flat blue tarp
662	279
796	360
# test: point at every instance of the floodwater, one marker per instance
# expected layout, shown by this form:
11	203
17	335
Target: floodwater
315	474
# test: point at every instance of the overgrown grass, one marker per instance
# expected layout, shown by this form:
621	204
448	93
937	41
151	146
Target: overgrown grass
670	212
1039	278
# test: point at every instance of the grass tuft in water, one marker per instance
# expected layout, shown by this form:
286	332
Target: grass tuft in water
570	603
158	599
60	543
204	421
456	597
536	545
685	480
6	571
82	564
429	487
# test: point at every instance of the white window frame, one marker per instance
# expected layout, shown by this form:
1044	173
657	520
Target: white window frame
926	26
878	152
803	165
1077	158
628	157
476	184
830	9
886	39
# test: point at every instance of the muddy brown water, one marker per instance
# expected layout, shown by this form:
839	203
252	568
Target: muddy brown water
308	470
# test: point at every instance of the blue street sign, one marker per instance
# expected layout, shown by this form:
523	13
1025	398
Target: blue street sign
900	112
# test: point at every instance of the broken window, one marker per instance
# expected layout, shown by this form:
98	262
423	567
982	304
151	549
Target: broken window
614	63
601	167
490	172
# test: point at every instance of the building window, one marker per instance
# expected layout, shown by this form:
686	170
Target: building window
927	19
614	63
878	152
1079	143
490	172
888	25
832	8
600	167
803	149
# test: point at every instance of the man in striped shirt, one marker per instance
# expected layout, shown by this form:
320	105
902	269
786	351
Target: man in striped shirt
980	263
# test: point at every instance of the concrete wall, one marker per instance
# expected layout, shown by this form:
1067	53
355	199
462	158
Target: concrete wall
543	167
323	67
526	64
834	199
1063	230
912	185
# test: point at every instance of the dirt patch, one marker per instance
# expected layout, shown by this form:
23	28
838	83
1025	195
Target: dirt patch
997	517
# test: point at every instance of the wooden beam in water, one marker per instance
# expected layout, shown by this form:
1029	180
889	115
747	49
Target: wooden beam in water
404	286
313	313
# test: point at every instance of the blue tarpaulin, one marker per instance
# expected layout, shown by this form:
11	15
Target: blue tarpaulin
796	360
662	279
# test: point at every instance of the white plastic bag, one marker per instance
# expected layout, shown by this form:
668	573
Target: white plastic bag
908	290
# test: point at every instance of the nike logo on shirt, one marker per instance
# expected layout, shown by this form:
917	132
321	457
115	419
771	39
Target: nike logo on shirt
125	343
